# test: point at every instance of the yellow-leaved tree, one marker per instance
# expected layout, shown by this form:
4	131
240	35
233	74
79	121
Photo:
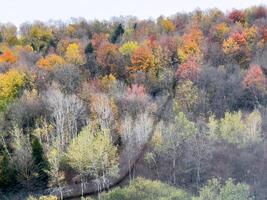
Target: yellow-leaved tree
128	48
168	25
10	84
74	54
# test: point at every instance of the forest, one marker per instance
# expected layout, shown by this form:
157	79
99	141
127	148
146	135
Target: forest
173	108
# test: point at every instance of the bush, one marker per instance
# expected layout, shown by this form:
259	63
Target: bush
146	190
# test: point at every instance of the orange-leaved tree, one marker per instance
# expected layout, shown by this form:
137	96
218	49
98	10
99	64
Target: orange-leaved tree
220	31
50	61
190	44
168	25
7	57
107	56
142	59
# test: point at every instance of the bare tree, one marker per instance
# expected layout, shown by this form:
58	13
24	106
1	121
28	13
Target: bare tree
104	110
135	133
198	151
66	111
22	158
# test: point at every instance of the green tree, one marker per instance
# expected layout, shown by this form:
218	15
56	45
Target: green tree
39	160
56	176
9	34
93	154
50	197
89	48
119	31
39	37
173	136
231	127
214	190
6	172
146	190
235	130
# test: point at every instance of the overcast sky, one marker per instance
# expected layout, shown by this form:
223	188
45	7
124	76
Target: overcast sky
18	11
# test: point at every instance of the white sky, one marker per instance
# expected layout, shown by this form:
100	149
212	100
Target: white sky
19	11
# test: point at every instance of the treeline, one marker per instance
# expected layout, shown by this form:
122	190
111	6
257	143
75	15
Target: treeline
76	97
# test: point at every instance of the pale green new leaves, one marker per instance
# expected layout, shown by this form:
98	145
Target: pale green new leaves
235	129
92	153
142	189
232	127
214	190
183	125
175	133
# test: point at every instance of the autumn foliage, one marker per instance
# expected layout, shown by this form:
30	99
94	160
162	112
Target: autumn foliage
236	16
190	44
171	94
220	31
142	59
74	54
98	39
10	85
107	56
128	48
188	70
50	61
168	25
255	77
136	92
8	57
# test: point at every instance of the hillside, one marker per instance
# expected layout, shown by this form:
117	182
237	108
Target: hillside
129	109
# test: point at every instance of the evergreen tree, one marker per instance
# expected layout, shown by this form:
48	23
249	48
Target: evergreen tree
117	34
40	161
6	173
89	48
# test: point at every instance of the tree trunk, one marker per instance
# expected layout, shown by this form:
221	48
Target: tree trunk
173	170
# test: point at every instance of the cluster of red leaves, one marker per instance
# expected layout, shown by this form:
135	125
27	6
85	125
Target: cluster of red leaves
152	41
188	70
136	92
98	39
254	77
240	38
236	16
